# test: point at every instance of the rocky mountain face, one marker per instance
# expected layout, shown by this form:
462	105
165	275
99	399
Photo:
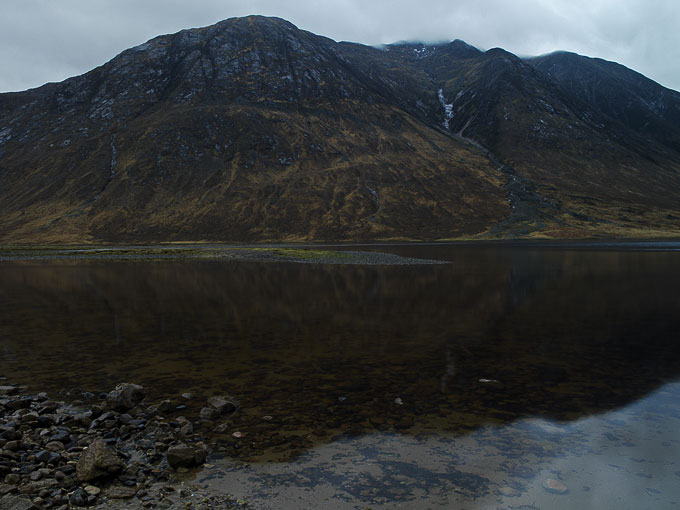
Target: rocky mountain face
254	130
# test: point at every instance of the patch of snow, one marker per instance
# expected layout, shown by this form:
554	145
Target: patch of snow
448	108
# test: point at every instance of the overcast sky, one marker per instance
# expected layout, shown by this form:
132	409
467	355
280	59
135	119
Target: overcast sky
50	40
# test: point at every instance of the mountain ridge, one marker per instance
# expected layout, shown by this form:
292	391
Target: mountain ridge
253	130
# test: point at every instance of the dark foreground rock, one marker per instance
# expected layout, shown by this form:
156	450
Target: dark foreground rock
106	450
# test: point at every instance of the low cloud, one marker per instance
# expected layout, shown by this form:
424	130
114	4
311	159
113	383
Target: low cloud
43	40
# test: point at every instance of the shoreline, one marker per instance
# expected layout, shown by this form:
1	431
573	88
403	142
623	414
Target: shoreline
107	450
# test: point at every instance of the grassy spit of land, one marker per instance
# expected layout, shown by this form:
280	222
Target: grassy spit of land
207	252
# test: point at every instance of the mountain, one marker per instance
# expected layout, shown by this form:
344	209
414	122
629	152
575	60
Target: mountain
254	130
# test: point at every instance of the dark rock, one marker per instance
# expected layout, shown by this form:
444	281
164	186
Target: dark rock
121	492
8	390
200	454
30	418
11	502
209	413
165	407
78	498
9	455
223	404
55	446
68	482
49	407
12	478
183	455
21	403
34	487
125	396
97	461
6	488
46	456
45	421
62	436
12	446
67	469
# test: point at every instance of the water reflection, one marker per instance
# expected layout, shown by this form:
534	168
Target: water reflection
497	335
624	459
468	385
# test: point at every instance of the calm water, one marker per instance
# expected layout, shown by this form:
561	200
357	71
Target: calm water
463	385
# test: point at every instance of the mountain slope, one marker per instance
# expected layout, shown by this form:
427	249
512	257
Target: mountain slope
254	130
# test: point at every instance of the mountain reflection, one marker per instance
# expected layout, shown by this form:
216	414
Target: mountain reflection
494	336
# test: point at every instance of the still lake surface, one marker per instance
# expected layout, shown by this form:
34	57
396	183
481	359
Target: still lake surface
472	384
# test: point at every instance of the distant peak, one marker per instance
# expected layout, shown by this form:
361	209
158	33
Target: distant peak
462	49
501	53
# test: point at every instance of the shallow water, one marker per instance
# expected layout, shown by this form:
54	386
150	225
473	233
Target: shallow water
464	385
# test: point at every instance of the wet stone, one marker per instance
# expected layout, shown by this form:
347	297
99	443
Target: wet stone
223	404
125	396
48	457
121	492
78	498
209	413
6	488
11	502
92	490
554	486
180	455
97	461
510	492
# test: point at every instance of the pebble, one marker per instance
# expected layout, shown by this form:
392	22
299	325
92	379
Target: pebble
92	490
509	492
554	486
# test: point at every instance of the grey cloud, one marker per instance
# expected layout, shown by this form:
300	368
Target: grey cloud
44	40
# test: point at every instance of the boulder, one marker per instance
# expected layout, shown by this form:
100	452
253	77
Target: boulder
99	460
183	455
125	396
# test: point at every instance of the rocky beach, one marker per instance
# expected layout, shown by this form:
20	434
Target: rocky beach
105	450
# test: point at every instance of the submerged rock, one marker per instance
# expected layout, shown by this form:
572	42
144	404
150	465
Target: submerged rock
223	404
209	413
554	486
